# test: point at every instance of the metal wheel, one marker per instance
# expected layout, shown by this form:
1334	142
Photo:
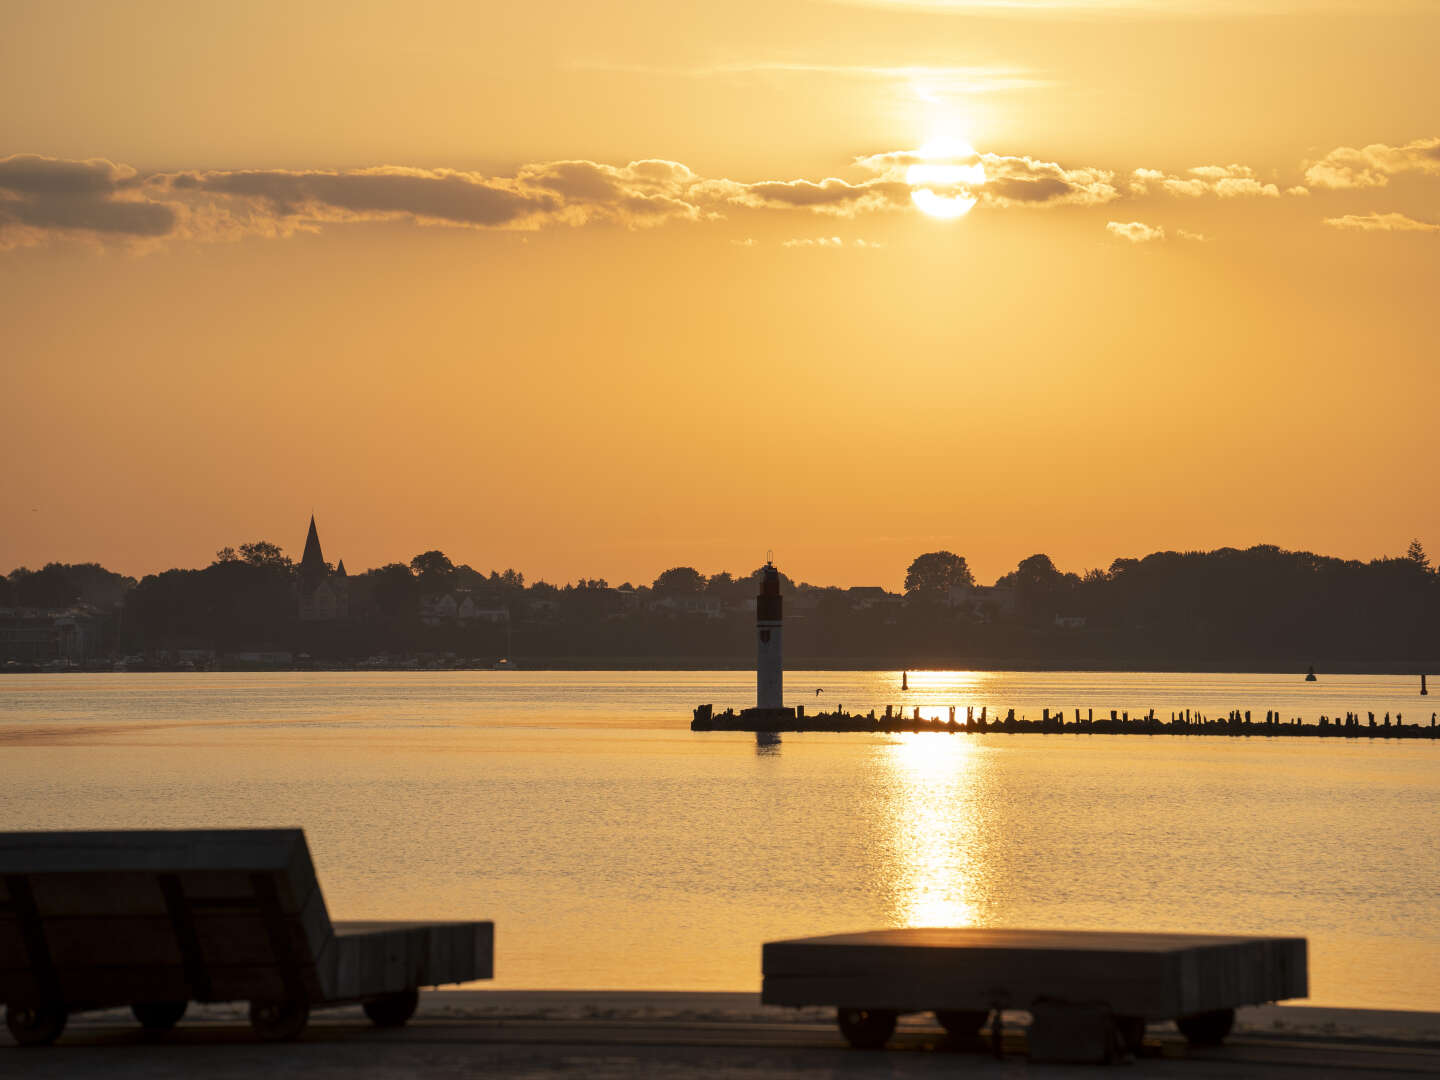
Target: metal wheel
279	1021
35	1025
392	1010
866	1029
158	1015
962	1023
1207	1028
1132	1032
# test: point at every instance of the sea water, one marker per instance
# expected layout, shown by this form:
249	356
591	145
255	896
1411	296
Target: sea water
615	849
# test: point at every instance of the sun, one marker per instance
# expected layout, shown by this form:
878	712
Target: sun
942	182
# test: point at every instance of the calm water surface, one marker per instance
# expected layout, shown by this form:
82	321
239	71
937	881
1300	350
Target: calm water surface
616	849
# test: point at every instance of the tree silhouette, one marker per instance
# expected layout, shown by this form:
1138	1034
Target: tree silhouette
1170	610
679	580
1040	588
50	587
721	584
264	553
435	570
933	573
395	590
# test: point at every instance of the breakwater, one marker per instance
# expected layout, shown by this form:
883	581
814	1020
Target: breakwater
1352	725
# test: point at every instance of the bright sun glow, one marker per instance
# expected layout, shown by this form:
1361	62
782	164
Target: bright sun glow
942	182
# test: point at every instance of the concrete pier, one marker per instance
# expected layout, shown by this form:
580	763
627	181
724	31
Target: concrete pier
698	1036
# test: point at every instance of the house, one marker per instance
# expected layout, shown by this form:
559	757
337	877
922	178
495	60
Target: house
438	608
49	633
706	604
865	597
472	610
982	603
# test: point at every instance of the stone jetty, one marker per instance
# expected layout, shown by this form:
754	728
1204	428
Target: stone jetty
1057	721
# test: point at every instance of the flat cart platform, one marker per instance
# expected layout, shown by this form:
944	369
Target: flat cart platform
155	919
963	974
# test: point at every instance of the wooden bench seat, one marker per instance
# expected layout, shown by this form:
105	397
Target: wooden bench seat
155	919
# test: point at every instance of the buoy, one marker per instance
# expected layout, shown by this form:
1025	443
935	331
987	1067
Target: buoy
905	680
1310	675
1423	691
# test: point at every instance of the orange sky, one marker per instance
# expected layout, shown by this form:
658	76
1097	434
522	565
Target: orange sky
593	290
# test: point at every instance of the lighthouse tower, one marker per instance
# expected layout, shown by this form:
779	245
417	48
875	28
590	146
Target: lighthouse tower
769	661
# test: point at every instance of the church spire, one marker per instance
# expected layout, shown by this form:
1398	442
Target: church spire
312	562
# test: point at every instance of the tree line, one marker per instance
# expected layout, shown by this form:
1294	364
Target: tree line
1258	607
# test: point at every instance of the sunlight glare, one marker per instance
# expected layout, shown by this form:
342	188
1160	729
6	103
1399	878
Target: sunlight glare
942	181
935	823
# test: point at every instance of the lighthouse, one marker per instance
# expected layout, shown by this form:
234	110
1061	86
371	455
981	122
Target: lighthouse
769	661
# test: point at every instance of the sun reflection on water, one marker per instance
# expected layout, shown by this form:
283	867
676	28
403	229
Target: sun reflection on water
935	824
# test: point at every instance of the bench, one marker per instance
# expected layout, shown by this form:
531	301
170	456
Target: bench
156	919
963	974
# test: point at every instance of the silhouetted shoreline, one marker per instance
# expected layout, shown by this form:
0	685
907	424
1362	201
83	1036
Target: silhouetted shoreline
669	663
1262	610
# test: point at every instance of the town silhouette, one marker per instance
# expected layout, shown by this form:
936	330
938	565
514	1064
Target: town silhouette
1263	608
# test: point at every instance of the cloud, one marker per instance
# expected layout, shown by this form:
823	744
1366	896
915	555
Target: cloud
41	194
1009	180
438	196
829	242
829	196
1226	181
1137	232
45	196
41	198
32	174
1186	234
1024	181
1375	222
643	192
1372	166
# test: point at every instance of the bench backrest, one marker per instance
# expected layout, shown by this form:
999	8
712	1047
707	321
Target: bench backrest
109	918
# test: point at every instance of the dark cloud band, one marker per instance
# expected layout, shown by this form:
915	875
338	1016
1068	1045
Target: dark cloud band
40	196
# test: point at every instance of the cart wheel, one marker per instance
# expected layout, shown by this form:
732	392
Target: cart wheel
159	1015
962	1023
866	1029
35	1025
1207	1028
392	1010
279	1021
1132	1032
